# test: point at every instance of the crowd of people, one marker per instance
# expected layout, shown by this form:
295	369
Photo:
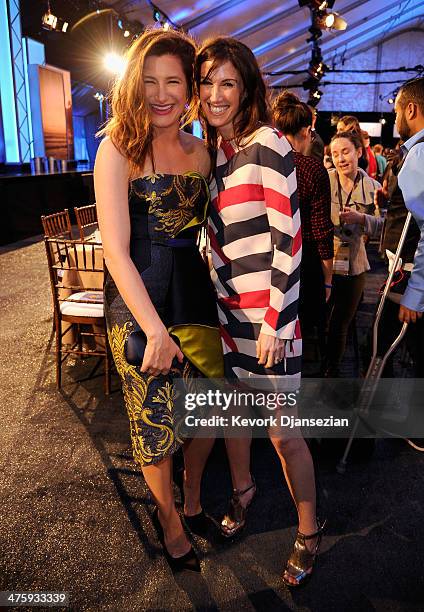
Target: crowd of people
288	225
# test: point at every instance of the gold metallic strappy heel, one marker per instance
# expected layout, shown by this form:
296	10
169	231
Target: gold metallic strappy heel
302	560
237	514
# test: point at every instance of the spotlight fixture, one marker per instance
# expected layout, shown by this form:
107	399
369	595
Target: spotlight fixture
317	4
333	21
382	121
317	69
51	22
314	97
126	33
391	101
162	19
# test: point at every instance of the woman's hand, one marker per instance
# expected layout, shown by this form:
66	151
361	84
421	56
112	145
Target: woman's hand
159	353
351	216
269	350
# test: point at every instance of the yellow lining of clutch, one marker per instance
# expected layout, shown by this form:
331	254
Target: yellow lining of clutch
201	344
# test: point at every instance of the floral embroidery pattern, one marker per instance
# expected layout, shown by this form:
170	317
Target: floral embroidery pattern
151	427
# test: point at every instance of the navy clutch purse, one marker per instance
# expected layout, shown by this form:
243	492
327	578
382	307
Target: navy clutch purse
135	346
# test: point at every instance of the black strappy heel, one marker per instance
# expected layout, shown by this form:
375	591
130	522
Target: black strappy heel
237	513
189	561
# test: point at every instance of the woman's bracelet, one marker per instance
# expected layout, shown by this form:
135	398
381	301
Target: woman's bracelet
328	286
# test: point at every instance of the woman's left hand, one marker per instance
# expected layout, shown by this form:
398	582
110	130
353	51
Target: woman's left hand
269	350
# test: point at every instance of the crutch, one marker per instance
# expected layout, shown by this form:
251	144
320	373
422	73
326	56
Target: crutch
377	363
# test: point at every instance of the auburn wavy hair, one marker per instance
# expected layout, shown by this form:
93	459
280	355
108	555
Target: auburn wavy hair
129	126
254	105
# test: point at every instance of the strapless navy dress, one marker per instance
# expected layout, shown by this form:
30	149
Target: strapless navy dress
166	216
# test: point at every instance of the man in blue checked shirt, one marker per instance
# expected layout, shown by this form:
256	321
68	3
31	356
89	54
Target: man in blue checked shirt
409	109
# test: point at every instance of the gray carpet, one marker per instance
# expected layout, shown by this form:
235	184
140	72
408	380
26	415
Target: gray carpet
75	511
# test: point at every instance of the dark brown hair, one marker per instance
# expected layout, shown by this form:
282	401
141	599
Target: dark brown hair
130	127
291	114
351	122
352	136
413	91
254	105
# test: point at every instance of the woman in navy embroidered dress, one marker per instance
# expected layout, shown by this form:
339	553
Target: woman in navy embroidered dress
255	239
152	199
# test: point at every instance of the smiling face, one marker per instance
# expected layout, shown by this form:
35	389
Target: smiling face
345	157
221	93
164	89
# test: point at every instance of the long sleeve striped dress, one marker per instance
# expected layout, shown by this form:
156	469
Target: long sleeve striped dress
255	237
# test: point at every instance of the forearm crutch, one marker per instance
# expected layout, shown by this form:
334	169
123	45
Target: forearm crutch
377	362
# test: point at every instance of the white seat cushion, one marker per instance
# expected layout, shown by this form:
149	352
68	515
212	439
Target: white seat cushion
91	306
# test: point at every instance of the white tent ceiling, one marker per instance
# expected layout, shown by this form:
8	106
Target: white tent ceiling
277	30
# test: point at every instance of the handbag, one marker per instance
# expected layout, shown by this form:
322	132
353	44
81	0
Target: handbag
135	347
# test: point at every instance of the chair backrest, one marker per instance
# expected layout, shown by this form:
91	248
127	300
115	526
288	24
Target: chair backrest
86	217
57	225
74	266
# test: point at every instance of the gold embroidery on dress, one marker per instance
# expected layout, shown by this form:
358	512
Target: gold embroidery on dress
172	220
153	177
135	388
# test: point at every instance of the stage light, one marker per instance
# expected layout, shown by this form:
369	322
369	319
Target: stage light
382	121
333	21
126	33
317	69
317	4
51	22
115	63
391	101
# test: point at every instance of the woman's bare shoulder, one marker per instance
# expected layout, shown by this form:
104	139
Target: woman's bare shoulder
110	160
199	149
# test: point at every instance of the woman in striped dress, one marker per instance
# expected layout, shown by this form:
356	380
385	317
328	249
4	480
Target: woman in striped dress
255	237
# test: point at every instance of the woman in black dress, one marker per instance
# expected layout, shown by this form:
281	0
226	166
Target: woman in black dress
152	199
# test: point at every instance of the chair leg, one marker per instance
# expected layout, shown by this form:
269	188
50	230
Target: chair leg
79	338
58	353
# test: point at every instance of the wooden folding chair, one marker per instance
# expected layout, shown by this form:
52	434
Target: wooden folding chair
57	225
86	217
72	264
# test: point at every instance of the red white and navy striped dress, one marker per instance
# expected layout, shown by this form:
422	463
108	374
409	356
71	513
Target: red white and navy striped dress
255	237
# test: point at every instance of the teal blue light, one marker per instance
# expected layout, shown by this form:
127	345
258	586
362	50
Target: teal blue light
6	90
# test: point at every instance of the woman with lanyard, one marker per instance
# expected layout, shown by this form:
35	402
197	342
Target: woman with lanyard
352	212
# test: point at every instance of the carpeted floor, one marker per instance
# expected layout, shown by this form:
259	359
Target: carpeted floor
75	511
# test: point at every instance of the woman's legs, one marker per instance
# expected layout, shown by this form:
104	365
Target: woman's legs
238	452
159	480
196	453
346	295
298	470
